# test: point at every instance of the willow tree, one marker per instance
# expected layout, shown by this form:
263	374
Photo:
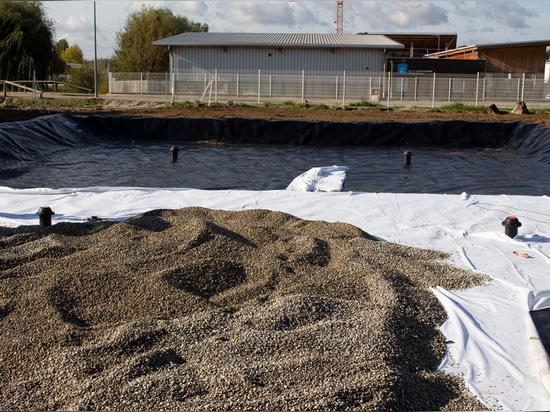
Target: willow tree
26	40
135	51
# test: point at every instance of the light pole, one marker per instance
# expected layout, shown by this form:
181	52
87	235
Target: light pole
95	53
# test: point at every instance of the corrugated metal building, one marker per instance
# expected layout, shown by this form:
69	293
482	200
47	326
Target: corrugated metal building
277	52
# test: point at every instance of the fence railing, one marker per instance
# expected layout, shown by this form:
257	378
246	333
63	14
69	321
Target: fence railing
39	86
333	88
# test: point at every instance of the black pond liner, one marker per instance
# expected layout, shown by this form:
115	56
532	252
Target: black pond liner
24	144
27	139
541	319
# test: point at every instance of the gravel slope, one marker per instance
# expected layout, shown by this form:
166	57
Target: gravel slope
197	309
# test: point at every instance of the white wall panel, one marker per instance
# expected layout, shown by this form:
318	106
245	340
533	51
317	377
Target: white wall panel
278	59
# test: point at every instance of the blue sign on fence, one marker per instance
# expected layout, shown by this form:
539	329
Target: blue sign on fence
403	68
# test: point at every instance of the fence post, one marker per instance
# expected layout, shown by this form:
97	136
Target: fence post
336	87
165	86
303	85
270	85
402	86
259	84
216	85
141	83
173	87
519	90
370	89
450	87
389	86
238	84
415	89
34	86
477	88
433	93
523	87
344	89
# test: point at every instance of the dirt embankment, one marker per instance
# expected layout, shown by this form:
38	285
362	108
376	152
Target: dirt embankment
333	114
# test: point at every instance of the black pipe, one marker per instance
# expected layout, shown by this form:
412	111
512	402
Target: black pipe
408	155
511	224
174	150
45	216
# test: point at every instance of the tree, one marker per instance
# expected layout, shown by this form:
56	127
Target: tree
83	76
135	51
72	54
26	40
61	45
58	66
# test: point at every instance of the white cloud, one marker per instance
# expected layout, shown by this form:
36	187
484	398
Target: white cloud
76	23
261	16
137	5
190	7
400	15
513	15
415	14
505	13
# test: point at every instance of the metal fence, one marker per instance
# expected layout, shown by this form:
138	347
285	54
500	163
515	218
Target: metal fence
262	86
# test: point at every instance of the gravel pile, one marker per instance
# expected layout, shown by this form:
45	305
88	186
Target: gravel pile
207	310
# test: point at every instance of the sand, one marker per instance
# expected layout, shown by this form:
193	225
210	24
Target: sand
198	309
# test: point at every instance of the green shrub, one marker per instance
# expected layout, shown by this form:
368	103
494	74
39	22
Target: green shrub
460	107
364	103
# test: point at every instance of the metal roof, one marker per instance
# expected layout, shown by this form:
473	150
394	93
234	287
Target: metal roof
195	39
514	44
545	43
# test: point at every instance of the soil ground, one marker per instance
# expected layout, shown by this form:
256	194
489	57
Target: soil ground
121	106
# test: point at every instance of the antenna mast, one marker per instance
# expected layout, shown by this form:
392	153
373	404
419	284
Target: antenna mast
339	20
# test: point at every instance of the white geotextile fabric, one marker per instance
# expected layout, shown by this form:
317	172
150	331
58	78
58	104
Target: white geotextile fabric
492	342
320	179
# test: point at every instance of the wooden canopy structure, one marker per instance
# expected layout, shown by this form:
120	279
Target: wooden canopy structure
420	44
521	57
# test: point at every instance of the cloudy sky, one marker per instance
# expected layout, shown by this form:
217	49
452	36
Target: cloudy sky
475	22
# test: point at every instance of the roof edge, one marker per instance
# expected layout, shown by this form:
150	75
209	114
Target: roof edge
228	40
